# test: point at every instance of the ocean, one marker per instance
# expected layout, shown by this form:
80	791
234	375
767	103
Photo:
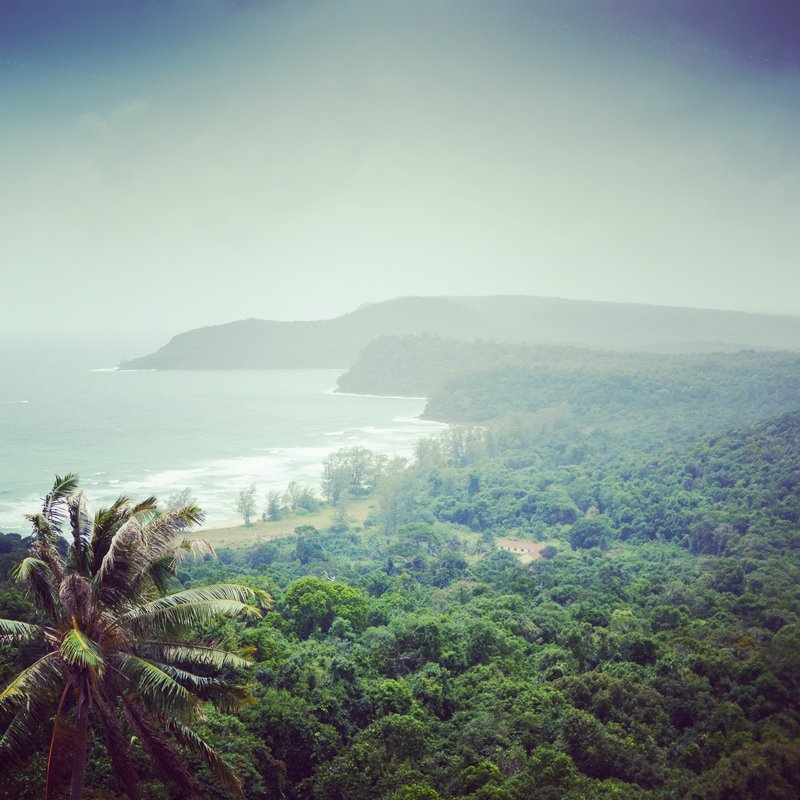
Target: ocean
148	432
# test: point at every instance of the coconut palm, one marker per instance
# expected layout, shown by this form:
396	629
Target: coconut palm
118	655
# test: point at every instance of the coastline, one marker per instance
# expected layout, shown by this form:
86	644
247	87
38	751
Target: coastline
335	391
175	429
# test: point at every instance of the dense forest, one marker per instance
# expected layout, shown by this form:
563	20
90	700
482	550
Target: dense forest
581	401
652	651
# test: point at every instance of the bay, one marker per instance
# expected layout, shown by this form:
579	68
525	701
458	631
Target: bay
154	432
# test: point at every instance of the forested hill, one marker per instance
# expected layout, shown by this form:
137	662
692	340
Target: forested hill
335	343
582	397
651	653
733	493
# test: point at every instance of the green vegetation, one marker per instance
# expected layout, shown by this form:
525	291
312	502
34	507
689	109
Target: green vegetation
246	503
581	401
650	652
112	653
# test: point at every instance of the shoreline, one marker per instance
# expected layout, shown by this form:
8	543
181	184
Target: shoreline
277	440
335	391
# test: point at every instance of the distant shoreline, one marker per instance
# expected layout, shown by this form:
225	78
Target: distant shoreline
335	391
209	431
509	319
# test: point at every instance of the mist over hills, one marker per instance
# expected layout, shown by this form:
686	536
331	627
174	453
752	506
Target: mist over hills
336	343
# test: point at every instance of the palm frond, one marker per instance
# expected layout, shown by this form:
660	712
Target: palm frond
193	548
137	565
188	653
193	607
161	533
156	688
53	502
219	768
27	567
43	530
45	544
165	756
246	595
35	682
227	697
19	737
78	650
63	486
12	630
162	573
184	617
80	552
145	511
113	580
39	577
105	525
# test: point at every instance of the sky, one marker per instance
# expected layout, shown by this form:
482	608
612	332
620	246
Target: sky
168	165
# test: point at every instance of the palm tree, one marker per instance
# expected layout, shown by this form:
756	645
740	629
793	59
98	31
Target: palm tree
118	651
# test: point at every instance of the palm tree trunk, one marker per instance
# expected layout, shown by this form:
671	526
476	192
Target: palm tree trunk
79	758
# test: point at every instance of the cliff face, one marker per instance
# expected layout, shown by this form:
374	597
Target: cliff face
335	343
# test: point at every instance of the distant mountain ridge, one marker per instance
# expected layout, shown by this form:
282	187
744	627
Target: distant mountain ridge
336	343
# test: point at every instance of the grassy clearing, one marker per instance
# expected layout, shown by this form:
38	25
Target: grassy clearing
237	535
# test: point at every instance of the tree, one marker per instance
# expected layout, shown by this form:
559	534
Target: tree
273	510
299	498
309	544
588	532
246	502
399	495
416	791
764	769
180	499
116	652
313	603
353	470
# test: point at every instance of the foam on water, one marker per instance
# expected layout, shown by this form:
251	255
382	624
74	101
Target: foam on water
381	396
148	432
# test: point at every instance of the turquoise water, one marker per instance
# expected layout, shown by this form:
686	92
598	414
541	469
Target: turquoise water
141	433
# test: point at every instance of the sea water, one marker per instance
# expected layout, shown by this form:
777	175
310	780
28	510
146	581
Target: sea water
139	433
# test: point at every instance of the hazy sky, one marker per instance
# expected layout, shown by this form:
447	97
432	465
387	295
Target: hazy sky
166	165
